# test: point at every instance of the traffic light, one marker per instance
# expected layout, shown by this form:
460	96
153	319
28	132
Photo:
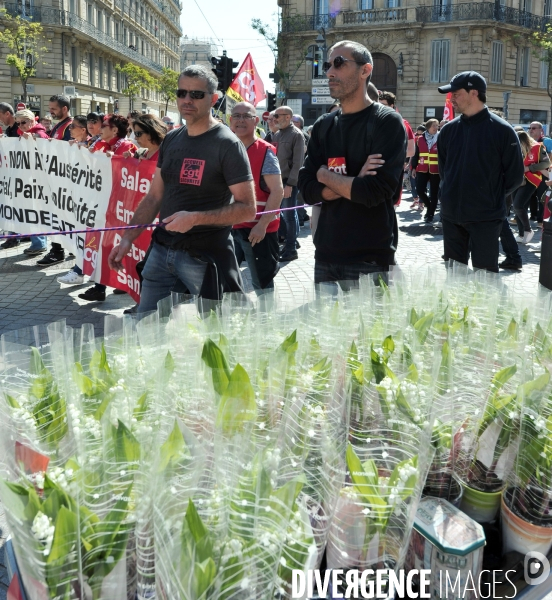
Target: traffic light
219	65
229	66
270	102
275	76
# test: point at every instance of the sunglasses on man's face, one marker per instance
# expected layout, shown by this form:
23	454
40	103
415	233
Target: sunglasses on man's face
338	62
278	115
194	94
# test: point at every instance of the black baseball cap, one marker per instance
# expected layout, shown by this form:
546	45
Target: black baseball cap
467	80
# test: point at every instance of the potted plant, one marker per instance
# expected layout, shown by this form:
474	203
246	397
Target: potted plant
527	502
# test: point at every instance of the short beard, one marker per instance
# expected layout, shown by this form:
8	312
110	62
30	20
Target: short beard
348	92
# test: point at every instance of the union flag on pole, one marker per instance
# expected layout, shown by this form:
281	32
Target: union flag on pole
247	84
448	113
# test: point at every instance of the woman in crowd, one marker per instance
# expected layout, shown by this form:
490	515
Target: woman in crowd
79	131
149	132
28	127
535	160
426	169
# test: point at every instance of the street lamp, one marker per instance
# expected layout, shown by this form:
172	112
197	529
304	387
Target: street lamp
321	42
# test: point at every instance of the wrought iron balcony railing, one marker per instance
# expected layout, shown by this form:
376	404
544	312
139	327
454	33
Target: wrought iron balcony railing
475	11
466	11
297	23
53	16
358	17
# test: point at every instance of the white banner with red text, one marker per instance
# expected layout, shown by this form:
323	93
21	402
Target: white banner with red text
50	186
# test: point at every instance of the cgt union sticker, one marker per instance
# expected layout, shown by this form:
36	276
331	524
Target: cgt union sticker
337	165
192	171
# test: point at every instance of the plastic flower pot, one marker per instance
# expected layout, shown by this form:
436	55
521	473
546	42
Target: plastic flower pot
482	507
522	536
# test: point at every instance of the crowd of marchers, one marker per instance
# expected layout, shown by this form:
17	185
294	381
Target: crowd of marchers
226	192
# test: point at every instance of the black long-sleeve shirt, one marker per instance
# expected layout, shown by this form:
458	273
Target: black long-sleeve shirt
480	163
359	229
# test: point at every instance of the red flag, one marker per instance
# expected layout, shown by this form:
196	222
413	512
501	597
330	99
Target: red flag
248	84
14	591
448	114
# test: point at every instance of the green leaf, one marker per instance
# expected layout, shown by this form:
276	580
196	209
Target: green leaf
195	524
364	477
388	345
422	326
214	358
65	535
141	407
290	344
238	405
127	447
173	448
537	384
15	498
37	366
204	575
12	402
83	382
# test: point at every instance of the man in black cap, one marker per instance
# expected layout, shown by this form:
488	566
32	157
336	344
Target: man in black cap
480	162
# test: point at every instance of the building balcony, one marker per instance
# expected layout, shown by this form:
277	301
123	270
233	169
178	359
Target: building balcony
468	11
54	17
481	11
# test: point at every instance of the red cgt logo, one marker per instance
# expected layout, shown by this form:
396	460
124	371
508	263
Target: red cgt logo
337	165
191	172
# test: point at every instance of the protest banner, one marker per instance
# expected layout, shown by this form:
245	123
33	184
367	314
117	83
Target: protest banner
131	181
55	186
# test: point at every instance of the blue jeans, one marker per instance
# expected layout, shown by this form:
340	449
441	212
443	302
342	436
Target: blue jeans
38	242
165	271
289	217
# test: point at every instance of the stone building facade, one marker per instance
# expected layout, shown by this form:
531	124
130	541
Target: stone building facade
196	52
418	47
85	40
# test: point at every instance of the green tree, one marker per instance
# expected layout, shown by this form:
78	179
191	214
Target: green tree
542	49
25	41
167	85
283	47
137	79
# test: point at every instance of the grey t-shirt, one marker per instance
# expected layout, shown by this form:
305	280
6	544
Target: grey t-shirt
197	172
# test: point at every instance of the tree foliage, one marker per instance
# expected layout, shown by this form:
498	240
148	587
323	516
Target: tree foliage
167	85
25	41
283	47
542	49
137	79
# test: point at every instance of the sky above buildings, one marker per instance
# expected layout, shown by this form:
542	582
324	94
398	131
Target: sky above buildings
228	25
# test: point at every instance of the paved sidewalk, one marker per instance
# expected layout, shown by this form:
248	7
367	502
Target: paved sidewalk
31	296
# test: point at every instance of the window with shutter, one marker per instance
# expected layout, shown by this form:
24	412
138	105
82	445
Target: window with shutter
496	62
440	52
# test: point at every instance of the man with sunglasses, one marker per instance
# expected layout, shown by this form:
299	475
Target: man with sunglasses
290	146
201	167
258	238
354	235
